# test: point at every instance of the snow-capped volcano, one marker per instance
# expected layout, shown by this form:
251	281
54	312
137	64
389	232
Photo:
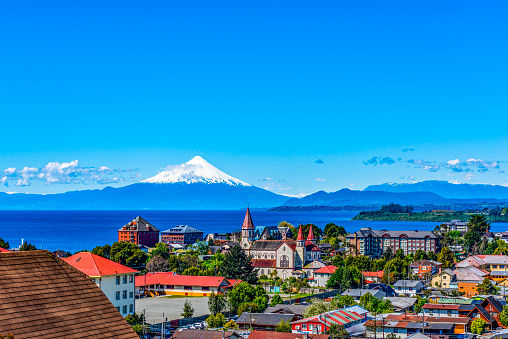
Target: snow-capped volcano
194	171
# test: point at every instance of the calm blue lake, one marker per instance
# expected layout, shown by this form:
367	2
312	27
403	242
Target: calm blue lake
78	230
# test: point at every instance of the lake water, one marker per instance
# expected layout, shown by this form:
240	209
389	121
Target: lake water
83	230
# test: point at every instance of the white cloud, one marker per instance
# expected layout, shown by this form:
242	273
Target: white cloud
63	173
320	179
300	195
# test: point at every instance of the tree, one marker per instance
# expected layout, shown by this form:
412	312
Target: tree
477	226
243	293
392	336
27	247
237	265
388	254
486	287
419	255
231	325
432	256
161	250
4	244
215	321
317	306
188	310
342	302
419	304
157	264
336	331
478	326
103	251
9	336
294	231
276	300
503	316
446	258
216	303
283	326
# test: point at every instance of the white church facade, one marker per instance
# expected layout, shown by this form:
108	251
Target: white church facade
285	257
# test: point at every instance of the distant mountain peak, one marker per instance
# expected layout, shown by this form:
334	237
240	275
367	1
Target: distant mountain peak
196	170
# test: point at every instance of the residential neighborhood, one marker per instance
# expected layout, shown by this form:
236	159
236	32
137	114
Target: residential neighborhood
274	280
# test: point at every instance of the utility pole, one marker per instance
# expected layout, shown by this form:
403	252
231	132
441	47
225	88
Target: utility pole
162	326
144	330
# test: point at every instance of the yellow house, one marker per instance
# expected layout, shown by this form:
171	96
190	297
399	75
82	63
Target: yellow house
443	279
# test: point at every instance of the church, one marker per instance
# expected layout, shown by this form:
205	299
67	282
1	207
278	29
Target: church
286	257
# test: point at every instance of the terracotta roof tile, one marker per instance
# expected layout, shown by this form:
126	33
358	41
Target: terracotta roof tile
41	297
264	263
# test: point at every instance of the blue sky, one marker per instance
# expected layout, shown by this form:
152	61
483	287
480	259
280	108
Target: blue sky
259	89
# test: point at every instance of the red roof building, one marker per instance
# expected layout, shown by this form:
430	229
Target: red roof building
4	250
170	283
139	232
373	277
115	280
321	323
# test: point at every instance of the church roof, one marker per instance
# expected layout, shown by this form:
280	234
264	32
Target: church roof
300	234
247	222
311	234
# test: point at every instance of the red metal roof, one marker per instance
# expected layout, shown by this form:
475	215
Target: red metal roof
378	274
300	234
326	269
96	266
247	222
311	234
414	318
264	262
170	278
3	250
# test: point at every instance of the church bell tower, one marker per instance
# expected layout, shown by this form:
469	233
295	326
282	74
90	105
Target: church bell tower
247	231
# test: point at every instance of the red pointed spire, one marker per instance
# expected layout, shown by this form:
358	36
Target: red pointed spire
311	235
247	222
300	234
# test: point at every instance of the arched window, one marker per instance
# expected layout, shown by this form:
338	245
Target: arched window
284	261
273	256
262	271
266	256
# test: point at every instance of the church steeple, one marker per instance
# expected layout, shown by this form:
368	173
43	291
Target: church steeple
247	222
247	230
300	241
311	235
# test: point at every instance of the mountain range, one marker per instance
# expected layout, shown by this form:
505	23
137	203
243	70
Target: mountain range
198	185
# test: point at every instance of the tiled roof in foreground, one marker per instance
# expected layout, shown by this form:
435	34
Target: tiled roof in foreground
41	297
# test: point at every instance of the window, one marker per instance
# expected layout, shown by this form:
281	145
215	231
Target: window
304	326
205	288
117	296
124	309
131	295
170	287
124	295
118	309
131	278
268	271
187	288
284	261
118	280
319	328
131	308
262	271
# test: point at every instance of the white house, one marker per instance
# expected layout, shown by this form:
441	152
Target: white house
115	280
408	288
322	275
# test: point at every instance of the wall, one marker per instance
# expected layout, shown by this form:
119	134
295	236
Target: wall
109	287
